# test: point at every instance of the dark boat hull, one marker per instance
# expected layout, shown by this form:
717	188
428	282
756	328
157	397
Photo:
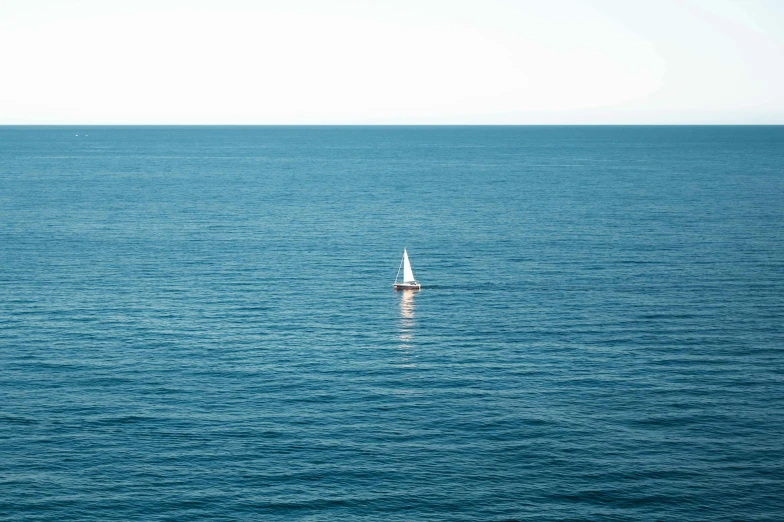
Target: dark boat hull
406	287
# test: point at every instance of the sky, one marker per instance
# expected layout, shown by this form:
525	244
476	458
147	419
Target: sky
392	62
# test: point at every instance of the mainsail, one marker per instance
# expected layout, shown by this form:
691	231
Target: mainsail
408	275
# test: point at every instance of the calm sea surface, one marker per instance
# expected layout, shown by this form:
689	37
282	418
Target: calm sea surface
199	323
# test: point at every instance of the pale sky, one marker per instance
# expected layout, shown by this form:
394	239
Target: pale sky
391	62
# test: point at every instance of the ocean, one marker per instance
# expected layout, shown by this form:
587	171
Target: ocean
198	323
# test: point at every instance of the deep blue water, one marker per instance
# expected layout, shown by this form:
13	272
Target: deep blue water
199	323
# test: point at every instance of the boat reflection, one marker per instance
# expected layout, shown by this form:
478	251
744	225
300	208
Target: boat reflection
406	334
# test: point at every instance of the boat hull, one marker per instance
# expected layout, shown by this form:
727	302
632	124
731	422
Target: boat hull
402	286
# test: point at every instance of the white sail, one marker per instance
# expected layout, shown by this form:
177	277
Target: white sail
408	275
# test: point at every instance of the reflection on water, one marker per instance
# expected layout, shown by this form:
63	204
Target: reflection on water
406	318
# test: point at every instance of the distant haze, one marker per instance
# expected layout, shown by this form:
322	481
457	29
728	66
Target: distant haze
395	62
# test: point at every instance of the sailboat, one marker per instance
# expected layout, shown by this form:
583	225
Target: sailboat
408	283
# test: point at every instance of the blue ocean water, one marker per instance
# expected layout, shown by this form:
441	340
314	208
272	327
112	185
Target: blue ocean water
199	323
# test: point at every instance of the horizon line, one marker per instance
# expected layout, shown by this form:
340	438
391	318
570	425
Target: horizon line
391	124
